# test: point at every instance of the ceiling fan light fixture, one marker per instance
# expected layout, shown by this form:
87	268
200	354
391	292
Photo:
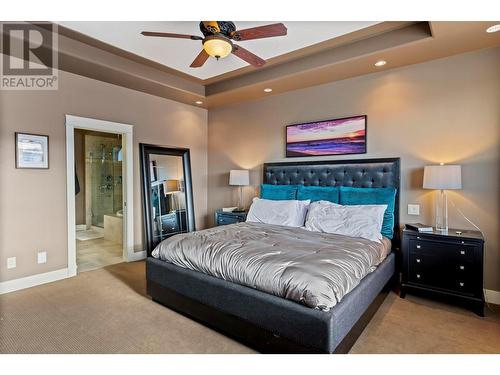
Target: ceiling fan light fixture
217	40
217	46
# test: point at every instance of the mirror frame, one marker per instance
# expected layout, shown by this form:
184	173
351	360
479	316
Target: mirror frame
145	151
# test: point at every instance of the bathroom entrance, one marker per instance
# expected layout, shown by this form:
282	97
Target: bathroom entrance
99	183
98	199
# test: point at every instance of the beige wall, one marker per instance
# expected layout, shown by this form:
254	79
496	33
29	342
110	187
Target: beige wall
445	110
33	202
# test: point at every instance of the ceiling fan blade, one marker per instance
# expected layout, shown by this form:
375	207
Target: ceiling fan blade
267	31
170	35
248	56
200	59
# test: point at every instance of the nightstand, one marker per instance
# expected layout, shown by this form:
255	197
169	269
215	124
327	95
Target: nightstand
224	218
448	266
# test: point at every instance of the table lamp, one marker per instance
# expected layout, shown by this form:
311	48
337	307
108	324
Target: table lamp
442	177
170	188
240	178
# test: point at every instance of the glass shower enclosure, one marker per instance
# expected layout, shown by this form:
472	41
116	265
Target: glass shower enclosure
104	177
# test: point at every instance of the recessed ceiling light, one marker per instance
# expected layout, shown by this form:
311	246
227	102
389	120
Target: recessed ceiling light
380	63
268	90
493	29
199	102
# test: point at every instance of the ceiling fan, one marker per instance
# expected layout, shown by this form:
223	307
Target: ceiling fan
217	40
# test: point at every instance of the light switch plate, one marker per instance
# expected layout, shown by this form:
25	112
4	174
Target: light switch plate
42	257
11	262
413	209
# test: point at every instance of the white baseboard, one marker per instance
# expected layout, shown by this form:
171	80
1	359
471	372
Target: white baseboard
80	227
492	296
137	256
34	280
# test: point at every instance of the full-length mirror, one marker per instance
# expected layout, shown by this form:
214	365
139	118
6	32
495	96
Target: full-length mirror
167	193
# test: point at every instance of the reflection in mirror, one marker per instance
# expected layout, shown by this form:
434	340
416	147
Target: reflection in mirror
167	196
167	193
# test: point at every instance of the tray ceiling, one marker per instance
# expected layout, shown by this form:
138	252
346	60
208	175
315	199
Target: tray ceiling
179	53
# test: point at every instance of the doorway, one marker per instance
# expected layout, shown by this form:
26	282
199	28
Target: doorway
98	199
99	193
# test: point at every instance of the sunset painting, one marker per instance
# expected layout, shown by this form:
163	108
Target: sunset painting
331	137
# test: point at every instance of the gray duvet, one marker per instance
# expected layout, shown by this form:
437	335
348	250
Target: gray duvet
315	269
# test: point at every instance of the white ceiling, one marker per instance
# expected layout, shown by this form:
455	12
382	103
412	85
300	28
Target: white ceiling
179	53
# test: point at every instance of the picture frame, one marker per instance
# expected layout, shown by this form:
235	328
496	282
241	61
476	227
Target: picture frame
32	151
341	136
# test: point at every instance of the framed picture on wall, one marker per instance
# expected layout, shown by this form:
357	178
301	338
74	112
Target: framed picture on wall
330	137
32	151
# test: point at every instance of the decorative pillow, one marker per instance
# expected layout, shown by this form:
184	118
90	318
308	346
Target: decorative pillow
356	196
278	192
318	193
363	221
291	213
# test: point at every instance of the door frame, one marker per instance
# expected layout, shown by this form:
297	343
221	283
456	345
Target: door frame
127	133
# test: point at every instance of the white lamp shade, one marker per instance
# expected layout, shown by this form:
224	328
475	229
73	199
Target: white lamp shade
444	177
170	186
239	177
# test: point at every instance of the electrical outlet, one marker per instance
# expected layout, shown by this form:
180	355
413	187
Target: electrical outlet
11	263
413	209
42	257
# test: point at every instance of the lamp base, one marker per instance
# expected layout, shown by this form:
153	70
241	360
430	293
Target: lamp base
240	207
442	212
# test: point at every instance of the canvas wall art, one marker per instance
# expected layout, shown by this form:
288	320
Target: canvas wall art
331	137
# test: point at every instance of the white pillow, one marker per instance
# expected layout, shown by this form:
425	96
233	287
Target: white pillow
291	213
363	221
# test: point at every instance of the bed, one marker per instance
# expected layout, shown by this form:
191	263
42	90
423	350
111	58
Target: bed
272	324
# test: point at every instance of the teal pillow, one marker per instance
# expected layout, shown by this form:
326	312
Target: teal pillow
278	192
318	193
354	196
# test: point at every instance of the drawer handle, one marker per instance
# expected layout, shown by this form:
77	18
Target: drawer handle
462	252
418	246
418	276
418	260
462	267
462	284
418	238
463	242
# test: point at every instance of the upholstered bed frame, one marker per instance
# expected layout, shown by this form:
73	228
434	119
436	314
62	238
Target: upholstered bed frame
272	324
362	173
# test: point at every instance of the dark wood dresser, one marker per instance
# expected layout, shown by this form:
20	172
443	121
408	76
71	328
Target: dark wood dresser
225	218
446	266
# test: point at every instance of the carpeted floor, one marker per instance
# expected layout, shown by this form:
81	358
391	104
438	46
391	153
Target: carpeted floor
107	311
